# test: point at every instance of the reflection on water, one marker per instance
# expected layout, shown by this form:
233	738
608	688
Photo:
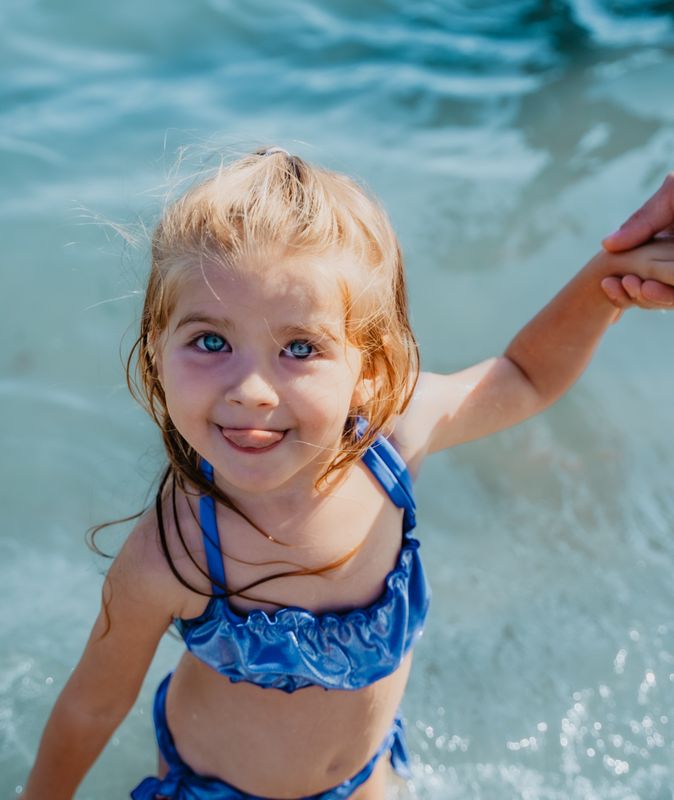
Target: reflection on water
505	139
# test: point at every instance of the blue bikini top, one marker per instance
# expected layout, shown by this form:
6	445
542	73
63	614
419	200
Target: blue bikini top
293	648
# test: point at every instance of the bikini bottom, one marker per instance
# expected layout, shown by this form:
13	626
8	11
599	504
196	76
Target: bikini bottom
182	783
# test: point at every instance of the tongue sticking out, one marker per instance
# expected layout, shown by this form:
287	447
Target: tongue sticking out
251	437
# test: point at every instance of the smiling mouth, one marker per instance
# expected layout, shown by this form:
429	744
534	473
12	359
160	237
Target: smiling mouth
252	440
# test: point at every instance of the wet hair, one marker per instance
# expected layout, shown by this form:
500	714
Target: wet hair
273	203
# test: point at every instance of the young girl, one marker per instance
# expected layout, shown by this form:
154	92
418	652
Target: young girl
276	356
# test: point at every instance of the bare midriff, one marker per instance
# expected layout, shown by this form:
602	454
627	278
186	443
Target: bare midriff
277	744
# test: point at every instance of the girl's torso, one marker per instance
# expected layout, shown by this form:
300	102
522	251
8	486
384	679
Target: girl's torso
314	738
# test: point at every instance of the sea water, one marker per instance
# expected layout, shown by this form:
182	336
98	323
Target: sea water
505	139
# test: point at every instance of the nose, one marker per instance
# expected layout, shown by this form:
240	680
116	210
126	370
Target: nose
252	389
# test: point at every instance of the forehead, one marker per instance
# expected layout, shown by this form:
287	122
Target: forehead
298	288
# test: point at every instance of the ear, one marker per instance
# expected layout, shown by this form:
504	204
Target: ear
154	351
370	379
363	391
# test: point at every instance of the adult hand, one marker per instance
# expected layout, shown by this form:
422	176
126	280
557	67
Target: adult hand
656	216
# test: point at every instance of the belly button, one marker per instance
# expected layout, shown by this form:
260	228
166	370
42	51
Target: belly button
335	766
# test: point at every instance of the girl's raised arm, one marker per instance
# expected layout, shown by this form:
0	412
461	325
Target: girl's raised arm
542	361
135	612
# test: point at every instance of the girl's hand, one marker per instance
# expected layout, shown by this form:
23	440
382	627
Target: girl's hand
631	290
644	277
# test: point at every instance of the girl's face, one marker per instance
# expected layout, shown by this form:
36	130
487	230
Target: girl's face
258	375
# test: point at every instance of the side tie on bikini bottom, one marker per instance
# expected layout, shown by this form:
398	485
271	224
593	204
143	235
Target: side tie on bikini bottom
182	783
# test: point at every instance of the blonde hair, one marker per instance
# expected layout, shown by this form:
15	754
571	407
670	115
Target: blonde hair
256	204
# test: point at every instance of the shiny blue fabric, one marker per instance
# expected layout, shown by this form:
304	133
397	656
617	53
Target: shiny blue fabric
293	647
182	783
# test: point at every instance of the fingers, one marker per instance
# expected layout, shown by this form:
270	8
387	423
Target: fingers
659	295
648	293
655	216
632	291
616	293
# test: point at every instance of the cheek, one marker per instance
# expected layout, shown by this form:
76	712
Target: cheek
331	402
323	393
184	388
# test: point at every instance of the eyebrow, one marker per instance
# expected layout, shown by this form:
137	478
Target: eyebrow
319	331
323	331
203	319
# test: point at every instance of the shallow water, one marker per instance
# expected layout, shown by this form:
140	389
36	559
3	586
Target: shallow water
505	139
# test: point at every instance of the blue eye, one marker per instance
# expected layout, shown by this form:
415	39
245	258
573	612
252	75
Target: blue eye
299	348
211	343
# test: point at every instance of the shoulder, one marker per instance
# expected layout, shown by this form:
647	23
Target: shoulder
141	597
158	557
409	431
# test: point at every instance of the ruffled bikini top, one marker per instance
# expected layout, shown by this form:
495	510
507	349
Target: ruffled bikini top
293	647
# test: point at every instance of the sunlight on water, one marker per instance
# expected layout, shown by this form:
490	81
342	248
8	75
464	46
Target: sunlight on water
505	139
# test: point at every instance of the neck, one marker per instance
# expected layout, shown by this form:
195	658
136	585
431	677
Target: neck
278	510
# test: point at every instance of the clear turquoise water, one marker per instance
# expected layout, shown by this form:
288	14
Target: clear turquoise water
505	139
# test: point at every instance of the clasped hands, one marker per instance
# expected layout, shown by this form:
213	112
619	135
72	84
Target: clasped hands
647	278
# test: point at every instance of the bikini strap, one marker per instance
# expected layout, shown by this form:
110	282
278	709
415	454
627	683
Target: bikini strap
381	458
209	530
388	467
